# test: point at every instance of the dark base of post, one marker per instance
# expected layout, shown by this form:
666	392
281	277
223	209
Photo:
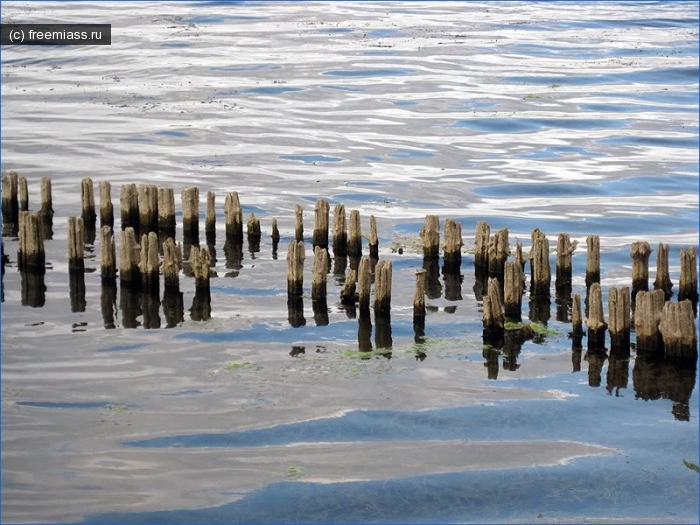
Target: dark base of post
295	311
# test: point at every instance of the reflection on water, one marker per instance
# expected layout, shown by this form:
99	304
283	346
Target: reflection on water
658	377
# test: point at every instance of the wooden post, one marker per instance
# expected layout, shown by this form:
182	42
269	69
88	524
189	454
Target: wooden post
298	223
129	204
10	206
76	244
340	231
430	233
565	248
592	260
190	212
596	322
364	283
210	221
233	214
512	293
31	257
87	194
419	295
275	237
373	239
619	316
148	261
76	291
129	257
481	243
23	194
148	208
199	262
576	317
678	330
172	264
355	235
493	318
166	211
647	315
640	253
663	280
688	284
295	268
382	288
347	294
108	261
46	197
453	246
254	234
320	270
320	237
106	206
541	276
499	250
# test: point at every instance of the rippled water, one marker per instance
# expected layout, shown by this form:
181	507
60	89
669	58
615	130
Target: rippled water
578	118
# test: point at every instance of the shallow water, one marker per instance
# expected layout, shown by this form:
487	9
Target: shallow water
567	117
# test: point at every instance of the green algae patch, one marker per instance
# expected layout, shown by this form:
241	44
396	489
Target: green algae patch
357	354
237	366
691	466
530	329
294	472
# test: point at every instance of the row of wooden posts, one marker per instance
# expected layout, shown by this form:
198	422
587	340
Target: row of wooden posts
149	211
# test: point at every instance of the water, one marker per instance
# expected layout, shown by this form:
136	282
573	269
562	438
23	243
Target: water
568	117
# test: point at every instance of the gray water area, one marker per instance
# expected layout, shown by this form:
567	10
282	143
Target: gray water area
126	407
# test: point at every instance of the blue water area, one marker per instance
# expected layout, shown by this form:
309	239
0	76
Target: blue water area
557	152
405	102
540	50
652	51
209	162
384	33
68	405
669	75
381	52
471	105
55	61
412	154
220	19
121	348
354	197
373	184
626	108
332	30
384	72
138	139
176	45
660	97
271	90
247	67
188	392
258	292
173	133
603	24
347	89
666	142
523	125
373	158
309	159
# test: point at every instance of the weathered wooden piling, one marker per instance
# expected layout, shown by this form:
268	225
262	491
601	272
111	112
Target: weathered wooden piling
452	252
33	288
148	208
640	252
688	284
199	262
108	259
10	205
210	220
592	260
150	306
298	223
419	295
619	318
663	279
108	302
364	331
565	249
87	194
493	318
678	330
340	231
233	214
106	206
364	283
23	194
648	309
512	291
319	273
76	291
596	322
319	305
295	310
149	263
348	293
295	268
481	244
275	238
76	244
129	204
190	212
46	196
172	264
430	234
166	211
382	334
541	276
576	317
321	213
30	257
254	234
499	250
355	235
373	238
129	258
382	288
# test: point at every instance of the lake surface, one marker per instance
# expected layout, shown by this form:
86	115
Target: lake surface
567	117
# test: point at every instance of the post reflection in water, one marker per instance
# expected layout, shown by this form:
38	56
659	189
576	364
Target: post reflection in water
320	309
295	311
233	253
564	303
433	288
655	377
481	281
618	370
76	287
576	352
108	302
33	289
596	360
491	364
453	283
382	334
540	306
512	346
150	305
173	306
129	304
364	331
201	305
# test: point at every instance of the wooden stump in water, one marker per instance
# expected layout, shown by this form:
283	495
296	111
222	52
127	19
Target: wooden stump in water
619	317
149	263
275	238
233	214
512	293
319	272
87	194
199	262
576	317
541	276
493	318
499	250
295	268
106	206
76	244
10	205
382	288
322	210
647	315
364	283
254	234
148	208
129	258
663	280
565	249
453	246
108	259
166	211
355	235
23	194
373	238
172	264
129	204
298	223
688	284
190	213
347	294
640	253
678	330
340	231
596	321
31	257
46	197
592	260
481	243
419	295
430	234
210	220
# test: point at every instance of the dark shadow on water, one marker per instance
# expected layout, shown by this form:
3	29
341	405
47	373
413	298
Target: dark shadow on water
233	253
173	307
108	302
129	304
364	331
481	279
655	376
491	364
540	308
77	291
433	288
453	283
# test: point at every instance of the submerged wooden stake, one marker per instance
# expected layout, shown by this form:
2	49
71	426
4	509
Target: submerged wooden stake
129	257
596	322
275	231
76	244
592	260
347	294
430	233
295	268
640	253
541	276
320	237
481	243
106	206
565	249
663	280
499	250
382	287
46	197
373	238
678	330
172	264
453	246
619	317
355	235
233	214
512	291
148	208
419	295
10	206
254	232
129	204
149	263
319	273
210	220
190	212
493	318
199	262
576	317
364	283
166	211
340	231
23	194
30	257
108	259
87	193
647	315
298	223
688	284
